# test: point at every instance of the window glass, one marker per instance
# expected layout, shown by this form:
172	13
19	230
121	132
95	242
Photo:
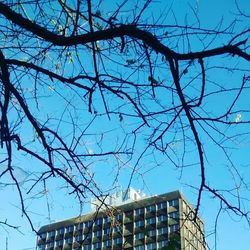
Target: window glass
139	211
151	233
151	246
59	243
118	217
60	231
107	219
97	245
162	218
150	208
41	247
117	229
69	240
107	231
79	226
174	215
98	233
173	228
140	247
117	241
43	236
51	233
161	205
150	221
88	223
79	238
139	236
139	223
162	243
87	247
107	243
163	230
69	229
50	245
173	203
88	236
98	221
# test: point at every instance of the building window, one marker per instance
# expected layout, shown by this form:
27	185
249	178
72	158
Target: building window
43	236
162	218
163	230
139	211
79	238
118	217
97	245
140	247
151	233
51	234
151	246
87	247
150	221
87	236
161	205
173	215
173	228
98	221
150	208
88	224
98	233
69	241
107	219
162	243
69	229
117	229
50	245
107	231
60	231
139	223
139	236
59	243
41	247
118	241
79	226
107	243
173	203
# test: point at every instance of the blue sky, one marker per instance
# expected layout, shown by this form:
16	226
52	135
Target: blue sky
155	173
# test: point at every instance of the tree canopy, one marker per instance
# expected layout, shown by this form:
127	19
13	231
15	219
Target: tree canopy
122	88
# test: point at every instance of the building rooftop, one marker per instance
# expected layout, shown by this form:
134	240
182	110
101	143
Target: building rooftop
127	205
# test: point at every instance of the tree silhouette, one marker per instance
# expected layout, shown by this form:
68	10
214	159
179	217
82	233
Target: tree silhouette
133	82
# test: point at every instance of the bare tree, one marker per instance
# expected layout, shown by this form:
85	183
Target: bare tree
131	81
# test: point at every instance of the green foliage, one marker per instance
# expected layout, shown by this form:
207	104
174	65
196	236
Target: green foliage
174	242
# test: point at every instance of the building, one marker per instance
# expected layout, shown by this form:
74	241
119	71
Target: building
137	223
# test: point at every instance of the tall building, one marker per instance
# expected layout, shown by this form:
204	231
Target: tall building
137	222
